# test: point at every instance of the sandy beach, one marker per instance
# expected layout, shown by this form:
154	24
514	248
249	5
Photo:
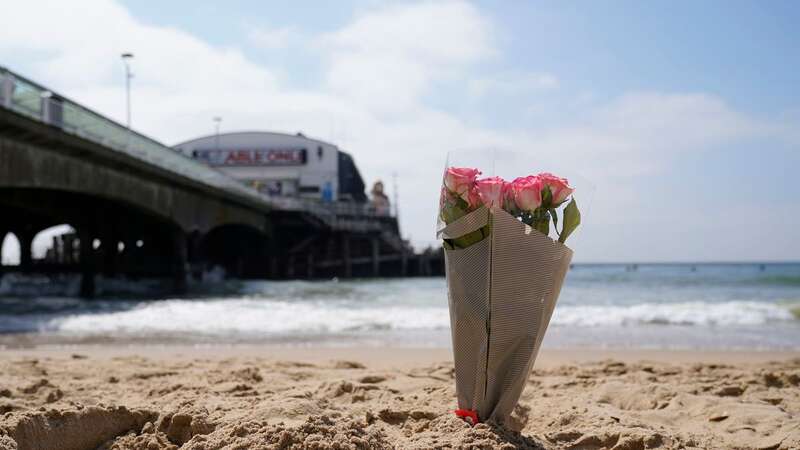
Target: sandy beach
256	397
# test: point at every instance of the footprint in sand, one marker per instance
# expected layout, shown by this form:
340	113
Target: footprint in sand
372	379
729	391
34	388
348	365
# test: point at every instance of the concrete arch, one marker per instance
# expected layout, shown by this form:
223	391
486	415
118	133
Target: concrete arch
44	238
39	208
7	241
27	166
243	251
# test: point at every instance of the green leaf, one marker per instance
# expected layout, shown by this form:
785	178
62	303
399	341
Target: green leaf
547	197
474	237
451	213
540	221
572	218
554	213
544	226
468	239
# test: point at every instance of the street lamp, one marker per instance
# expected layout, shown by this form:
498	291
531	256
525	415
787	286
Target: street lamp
126	57
217	121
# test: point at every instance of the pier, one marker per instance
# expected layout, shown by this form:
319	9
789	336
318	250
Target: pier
140	208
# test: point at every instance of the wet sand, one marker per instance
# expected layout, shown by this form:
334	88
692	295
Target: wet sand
256	397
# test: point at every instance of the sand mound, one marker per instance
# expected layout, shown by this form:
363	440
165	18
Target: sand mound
327	432
318	432
82	429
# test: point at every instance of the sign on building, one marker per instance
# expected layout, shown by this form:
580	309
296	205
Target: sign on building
254	157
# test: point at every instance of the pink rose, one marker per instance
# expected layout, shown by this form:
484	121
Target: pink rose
559	187
490	191
509	203
528	193
443	198
460	180
473	198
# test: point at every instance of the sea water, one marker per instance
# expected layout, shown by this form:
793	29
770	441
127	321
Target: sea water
677	306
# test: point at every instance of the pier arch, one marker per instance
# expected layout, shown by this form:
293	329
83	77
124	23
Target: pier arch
242	250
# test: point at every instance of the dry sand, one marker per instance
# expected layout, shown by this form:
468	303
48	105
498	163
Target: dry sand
265	398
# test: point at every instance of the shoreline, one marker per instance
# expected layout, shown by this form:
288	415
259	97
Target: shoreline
387	355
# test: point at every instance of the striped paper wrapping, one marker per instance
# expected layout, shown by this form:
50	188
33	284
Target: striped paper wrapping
501	294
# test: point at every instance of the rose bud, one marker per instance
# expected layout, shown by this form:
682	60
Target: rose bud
473	198
559	187
509	203
528	193
490	191
460	180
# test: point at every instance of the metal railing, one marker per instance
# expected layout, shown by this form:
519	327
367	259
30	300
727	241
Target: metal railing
39	103
337	215
328	208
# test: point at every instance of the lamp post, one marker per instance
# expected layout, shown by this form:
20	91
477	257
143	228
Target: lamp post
126	57
217	121
46	99
394	191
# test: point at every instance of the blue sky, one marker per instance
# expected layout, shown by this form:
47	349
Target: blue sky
685	116
745	51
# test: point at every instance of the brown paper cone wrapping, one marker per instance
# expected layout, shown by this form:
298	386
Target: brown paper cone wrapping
501	294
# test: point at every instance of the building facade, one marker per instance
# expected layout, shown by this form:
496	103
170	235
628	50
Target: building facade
282	165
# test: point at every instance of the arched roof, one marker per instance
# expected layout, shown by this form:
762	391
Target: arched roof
298	137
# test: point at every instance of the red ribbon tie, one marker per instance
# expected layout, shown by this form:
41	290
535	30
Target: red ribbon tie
470	414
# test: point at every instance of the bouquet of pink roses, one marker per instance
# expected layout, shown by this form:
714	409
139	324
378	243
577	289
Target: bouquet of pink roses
504	275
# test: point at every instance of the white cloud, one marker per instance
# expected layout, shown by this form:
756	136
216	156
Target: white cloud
641	132
84	58
388	57
272	38
436	32
512	83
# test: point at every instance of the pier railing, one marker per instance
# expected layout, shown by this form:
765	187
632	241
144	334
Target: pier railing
27	98
32	100
337	215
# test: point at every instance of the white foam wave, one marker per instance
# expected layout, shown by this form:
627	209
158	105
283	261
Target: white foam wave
251	317
259	317
688	313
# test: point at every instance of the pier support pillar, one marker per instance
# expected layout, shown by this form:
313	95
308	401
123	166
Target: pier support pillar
87	262
290	266
109	243
376	261
404	264
58	251
347	265
3	233
68	245
195	255
25	251
310	265
273	268
180	261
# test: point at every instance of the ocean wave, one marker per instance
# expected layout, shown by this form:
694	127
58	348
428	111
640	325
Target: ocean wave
688	313
265	318
682	275
251	317
781	280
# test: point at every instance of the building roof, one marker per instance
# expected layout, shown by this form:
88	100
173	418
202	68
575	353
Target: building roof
297	136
